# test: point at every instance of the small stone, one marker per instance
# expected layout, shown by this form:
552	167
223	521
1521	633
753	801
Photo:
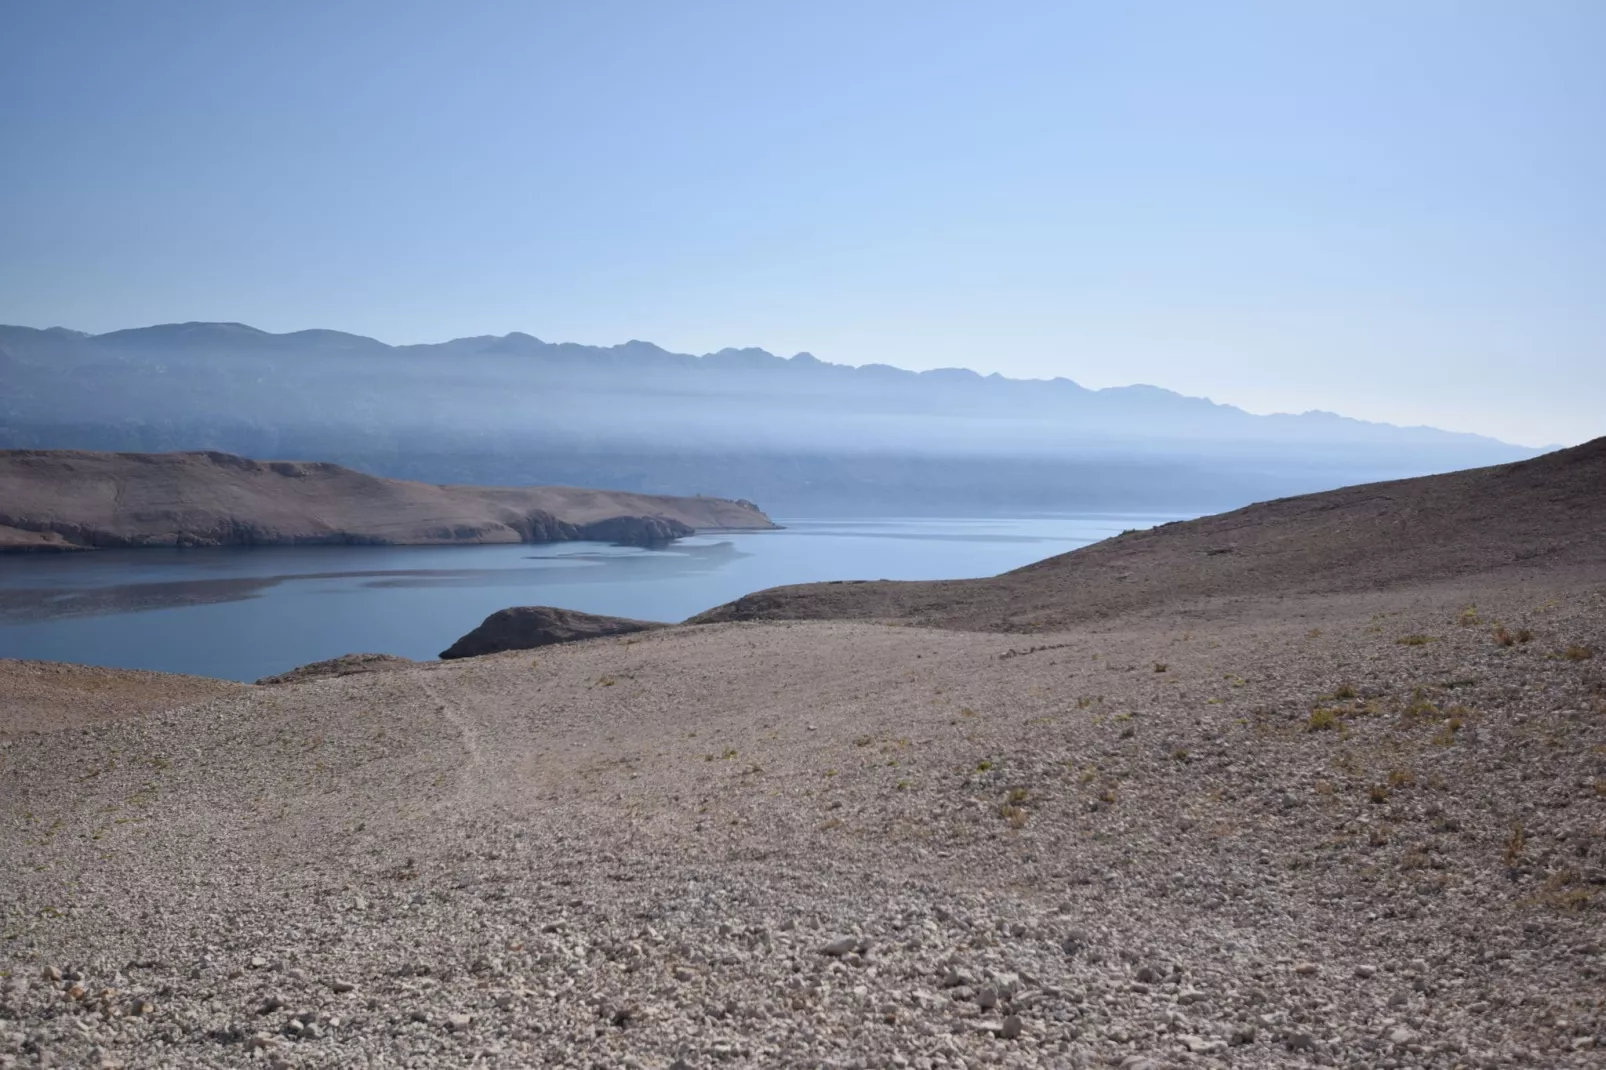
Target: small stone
841	946
258	962
342	987
1300	1041
1365	972
1306	969
1401	1035
1149	975
987	998
52	973
1011	1028
457	1023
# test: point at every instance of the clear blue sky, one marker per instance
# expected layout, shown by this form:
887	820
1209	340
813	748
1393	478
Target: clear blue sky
1392	210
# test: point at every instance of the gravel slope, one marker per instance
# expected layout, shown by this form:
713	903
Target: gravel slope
1527	518
48	696
1156	841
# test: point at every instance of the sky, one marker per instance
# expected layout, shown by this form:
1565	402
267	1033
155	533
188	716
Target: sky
1388	210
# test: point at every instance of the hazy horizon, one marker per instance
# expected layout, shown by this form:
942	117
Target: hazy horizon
1387	212
825	360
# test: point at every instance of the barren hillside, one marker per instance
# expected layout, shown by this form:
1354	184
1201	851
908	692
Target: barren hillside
1539	515
1362	828
68	499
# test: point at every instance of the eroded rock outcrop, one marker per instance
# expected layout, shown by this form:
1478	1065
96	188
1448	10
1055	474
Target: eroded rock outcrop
528	627
344	665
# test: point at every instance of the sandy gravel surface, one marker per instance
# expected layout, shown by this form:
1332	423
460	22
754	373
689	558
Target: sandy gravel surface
46	696
1274	836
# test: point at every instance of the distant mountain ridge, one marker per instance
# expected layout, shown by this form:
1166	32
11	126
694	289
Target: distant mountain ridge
802	435
212	337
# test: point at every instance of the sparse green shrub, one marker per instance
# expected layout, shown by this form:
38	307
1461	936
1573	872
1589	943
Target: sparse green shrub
1415	640
1323	719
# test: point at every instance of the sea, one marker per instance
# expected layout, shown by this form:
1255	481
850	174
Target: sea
245	613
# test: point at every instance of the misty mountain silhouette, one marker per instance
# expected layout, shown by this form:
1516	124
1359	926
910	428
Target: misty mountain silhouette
796	433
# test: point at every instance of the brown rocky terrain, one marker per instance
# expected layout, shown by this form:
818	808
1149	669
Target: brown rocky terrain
68	499
529	627
49	696
1533	517
1330	812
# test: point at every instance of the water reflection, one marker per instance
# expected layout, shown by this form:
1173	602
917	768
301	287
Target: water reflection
597	564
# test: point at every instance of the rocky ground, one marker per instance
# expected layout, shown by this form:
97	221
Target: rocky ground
48	696
1362	830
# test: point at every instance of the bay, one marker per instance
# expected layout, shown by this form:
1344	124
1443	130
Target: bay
244	613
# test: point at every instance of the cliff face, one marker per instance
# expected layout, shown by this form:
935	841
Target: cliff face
73	500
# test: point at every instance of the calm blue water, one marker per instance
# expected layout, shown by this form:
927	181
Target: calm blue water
247	613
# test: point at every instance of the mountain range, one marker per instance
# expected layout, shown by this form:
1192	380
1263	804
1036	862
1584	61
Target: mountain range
798	434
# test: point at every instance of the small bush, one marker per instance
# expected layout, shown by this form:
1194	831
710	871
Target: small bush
1345	691
1415	640
1524	635
1161	666
1401	778
1577	653
1322	719
1379	794
1504	638
1014	815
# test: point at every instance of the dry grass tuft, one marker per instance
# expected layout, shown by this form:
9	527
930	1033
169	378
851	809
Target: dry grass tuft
1323	719
1514	844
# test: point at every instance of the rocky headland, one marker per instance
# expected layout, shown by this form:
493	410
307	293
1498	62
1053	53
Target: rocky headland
1321	783
53	500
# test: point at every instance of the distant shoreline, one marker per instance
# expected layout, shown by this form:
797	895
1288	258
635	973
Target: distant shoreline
54	501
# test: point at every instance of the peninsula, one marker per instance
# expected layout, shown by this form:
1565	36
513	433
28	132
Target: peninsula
53	500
